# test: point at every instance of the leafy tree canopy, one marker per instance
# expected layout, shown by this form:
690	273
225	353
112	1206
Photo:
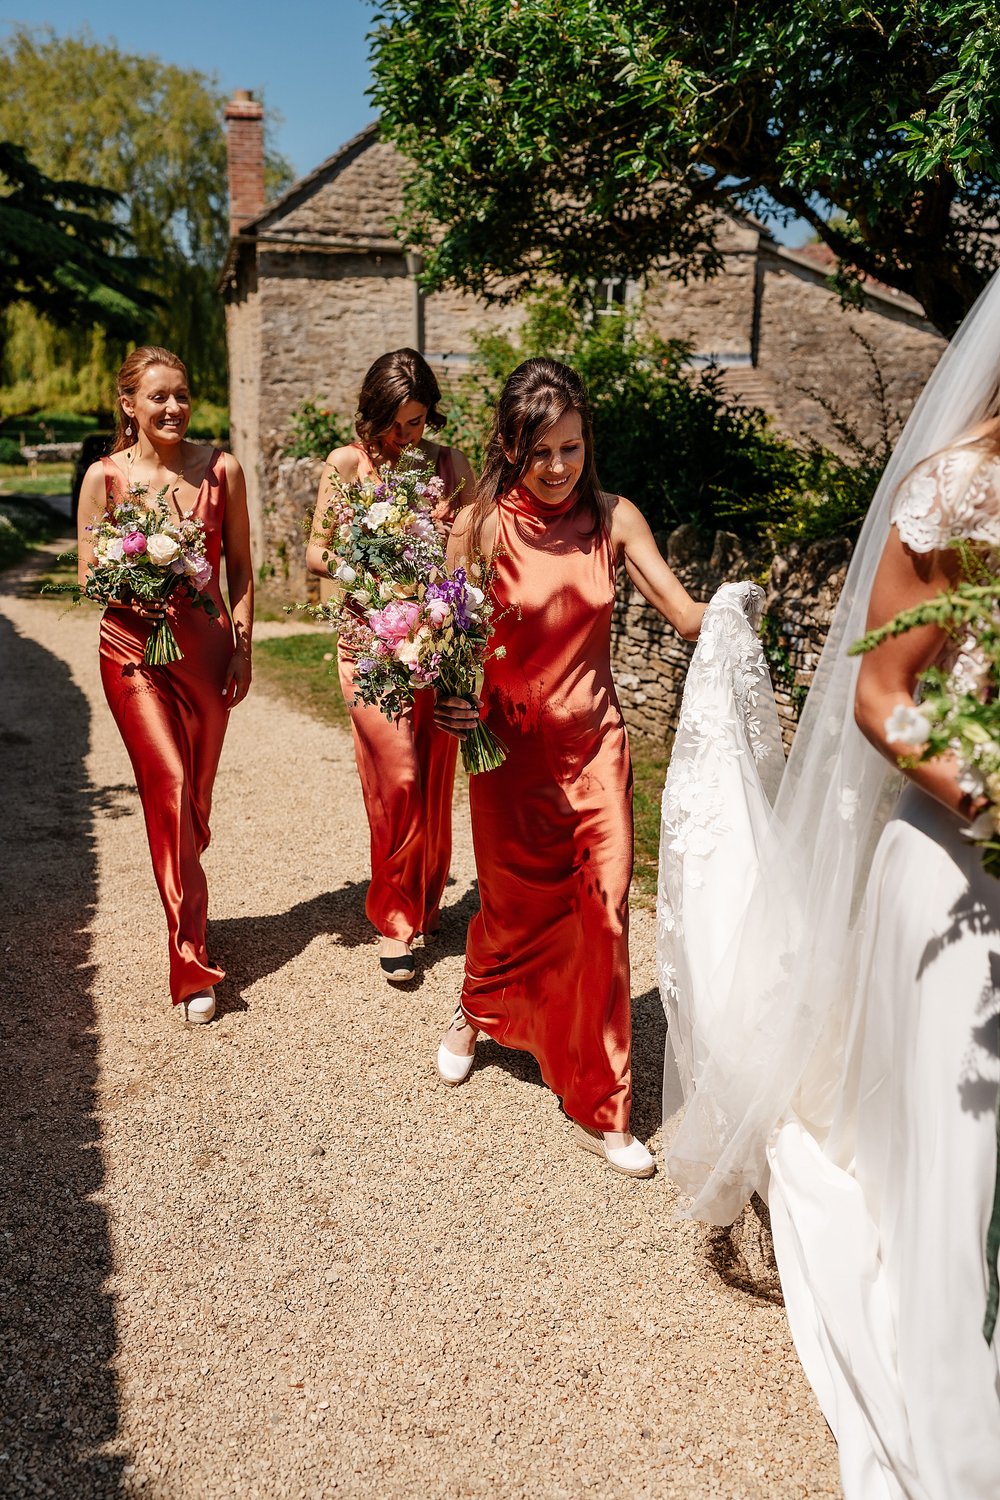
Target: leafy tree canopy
155	135
59	252
596	137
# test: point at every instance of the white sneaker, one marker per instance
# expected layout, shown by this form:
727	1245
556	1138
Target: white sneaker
200	1008
632	1160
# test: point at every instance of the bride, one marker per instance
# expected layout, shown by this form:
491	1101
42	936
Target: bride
836	1027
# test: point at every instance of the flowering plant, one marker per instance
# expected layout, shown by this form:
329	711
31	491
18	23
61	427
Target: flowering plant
407	621
142	554
954	714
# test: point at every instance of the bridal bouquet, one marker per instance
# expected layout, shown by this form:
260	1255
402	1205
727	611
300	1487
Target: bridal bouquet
433	633
143	554
383	526
953	714
408	623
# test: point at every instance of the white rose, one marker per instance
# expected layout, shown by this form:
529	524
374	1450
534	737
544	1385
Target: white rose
162	549
907	726
114	551
346	573
377	515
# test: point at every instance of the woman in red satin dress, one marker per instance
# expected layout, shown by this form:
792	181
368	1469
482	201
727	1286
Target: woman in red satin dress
547	964
407	767
173	718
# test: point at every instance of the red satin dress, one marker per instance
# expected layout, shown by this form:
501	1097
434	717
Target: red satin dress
547	964
173	721
407	770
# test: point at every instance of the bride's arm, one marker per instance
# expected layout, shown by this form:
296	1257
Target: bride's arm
653	577
888	675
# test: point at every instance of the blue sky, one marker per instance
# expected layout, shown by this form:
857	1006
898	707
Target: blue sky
306	58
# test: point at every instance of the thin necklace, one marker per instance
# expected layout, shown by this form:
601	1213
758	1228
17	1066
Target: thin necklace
167	488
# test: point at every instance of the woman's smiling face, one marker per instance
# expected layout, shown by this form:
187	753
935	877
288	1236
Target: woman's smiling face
557	460
161	407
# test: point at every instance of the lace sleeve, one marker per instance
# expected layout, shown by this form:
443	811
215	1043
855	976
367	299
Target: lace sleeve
954	495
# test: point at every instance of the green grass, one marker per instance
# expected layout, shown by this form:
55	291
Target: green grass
24	526
303	669
649	767
20	481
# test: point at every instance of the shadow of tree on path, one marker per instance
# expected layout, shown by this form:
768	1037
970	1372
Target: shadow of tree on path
58	1403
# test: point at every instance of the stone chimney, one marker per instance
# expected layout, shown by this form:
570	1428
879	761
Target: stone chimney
245	153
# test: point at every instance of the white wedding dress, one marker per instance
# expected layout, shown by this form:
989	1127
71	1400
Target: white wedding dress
883	1163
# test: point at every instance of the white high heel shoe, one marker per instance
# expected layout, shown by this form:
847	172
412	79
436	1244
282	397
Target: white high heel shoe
451	1066
200	1008
632	1160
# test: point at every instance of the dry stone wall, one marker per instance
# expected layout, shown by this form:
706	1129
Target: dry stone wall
650	660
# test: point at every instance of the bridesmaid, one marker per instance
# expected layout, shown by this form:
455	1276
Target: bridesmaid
407	768
547	964
173	718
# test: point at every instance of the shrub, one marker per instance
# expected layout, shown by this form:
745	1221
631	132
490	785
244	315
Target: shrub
10	451
670	437
314	431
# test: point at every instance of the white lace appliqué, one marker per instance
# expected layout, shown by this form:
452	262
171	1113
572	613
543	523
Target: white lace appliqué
953	497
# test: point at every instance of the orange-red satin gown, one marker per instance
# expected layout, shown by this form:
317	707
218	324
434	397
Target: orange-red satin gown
173	721
407	770
547	965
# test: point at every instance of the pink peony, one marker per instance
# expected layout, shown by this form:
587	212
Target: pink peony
134	543
394	623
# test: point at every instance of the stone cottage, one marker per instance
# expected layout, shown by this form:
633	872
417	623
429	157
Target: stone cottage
316	285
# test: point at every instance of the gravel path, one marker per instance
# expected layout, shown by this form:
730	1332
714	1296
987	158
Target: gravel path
275	1256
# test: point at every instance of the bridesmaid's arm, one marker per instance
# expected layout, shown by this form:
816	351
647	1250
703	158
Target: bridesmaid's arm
88	514
653	577
239	578
888	675
344	463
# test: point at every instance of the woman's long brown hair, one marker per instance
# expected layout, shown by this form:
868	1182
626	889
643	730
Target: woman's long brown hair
535	396
397	377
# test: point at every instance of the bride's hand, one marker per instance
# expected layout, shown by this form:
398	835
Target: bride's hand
457	716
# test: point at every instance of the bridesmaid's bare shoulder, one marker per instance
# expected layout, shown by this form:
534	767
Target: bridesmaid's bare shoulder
461	536
345	462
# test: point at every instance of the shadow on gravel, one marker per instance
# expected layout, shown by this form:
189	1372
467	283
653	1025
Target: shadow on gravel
58	1404
649	1038
250	948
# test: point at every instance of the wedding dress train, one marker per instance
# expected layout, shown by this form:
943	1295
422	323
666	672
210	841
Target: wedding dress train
879	1166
